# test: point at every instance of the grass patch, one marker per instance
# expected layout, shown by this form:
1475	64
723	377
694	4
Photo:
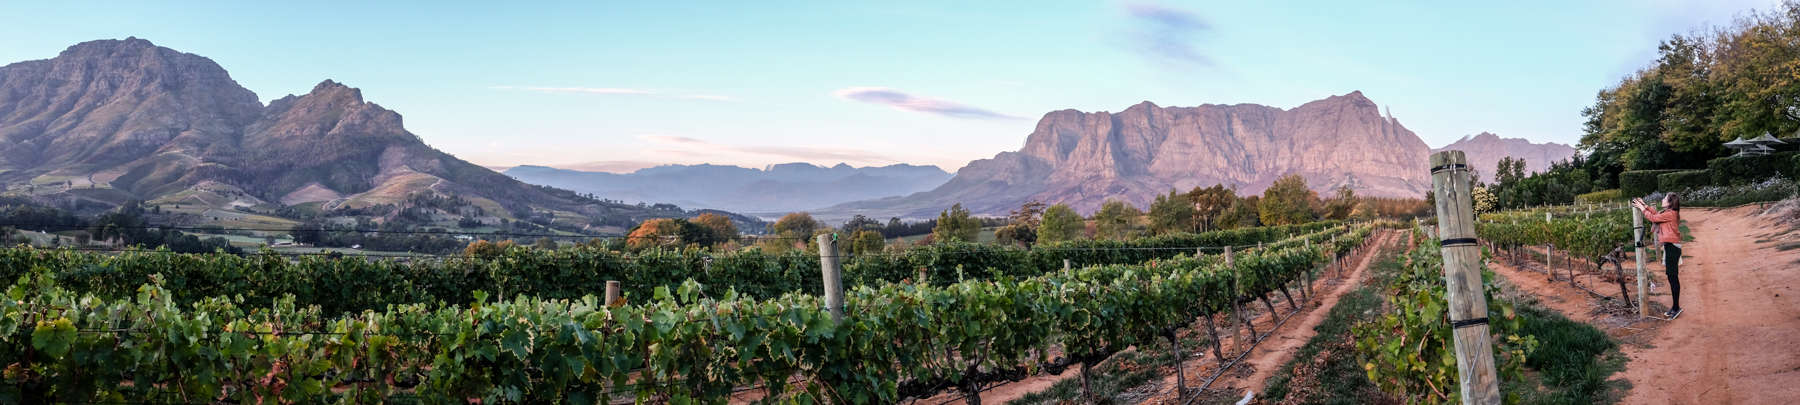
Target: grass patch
1339	376
1117	375
1571	365
1572	362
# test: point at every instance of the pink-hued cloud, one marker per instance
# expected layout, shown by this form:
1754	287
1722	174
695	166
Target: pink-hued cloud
901	100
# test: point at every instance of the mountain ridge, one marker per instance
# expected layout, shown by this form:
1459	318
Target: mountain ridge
129	120
1084	158
1486	149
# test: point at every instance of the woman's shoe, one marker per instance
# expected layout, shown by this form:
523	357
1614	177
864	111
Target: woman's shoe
1672	313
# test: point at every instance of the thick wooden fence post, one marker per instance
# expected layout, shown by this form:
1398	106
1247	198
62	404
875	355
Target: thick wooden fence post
612	292
834	276
1066	264
1637	239
1479	382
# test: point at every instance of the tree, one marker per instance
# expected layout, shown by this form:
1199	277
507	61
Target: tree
1241	214
1172	213
1022	225
866	242
1015	234
1210	203
1116	220
1343	201
955	224
794	228
1483	200
655	232
1060	223
860	223
486	249
1027	214
544	243
1286	202
719	228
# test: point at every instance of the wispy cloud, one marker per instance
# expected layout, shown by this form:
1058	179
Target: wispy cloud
1168	35
712	97
901	100
578	90
691	148
613	91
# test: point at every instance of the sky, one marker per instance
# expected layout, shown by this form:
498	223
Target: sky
621	85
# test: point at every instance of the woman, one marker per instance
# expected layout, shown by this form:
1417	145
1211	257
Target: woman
1667	224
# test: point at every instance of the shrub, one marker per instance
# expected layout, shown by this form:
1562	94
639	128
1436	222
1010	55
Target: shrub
1600	197
1639	183
1770	189
1794	168
1683	180
1729	171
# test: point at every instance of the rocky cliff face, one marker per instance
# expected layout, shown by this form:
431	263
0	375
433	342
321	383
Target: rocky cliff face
1083	159
1485	150
132	120
117	105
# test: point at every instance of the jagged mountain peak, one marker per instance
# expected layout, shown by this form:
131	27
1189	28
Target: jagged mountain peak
1485	149
1084	159
151	122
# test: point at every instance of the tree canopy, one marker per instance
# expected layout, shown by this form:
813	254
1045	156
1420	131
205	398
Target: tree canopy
1286	202
1116	220
955	224
1060	223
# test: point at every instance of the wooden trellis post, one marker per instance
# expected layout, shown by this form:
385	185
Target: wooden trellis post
612	292
1637	239
1478	379
834	276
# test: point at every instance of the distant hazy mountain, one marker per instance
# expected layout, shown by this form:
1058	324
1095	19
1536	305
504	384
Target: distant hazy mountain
115	120
1086	158
778	188
1485	150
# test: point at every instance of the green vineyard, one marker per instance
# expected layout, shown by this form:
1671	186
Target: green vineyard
72	333
353	284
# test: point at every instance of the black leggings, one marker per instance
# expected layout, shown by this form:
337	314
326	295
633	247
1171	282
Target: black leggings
1672	267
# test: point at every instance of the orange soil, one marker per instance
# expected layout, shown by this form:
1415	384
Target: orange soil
1738	341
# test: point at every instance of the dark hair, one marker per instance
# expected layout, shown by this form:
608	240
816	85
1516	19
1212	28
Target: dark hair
1674	202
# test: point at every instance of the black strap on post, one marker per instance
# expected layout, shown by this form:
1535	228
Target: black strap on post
1452	166
1468	322
1453	242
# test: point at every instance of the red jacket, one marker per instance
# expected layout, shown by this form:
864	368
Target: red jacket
1668	224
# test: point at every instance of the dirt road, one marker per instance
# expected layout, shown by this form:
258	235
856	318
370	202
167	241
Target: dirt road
1280	347
1739	340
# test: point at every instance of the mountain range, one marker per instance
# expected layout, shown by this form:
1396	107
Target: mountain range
1085	158
109	121
774	190
1485	150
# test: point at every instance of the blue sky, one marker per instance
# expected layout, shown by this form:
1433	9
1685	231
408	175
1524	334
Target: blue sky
624	84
